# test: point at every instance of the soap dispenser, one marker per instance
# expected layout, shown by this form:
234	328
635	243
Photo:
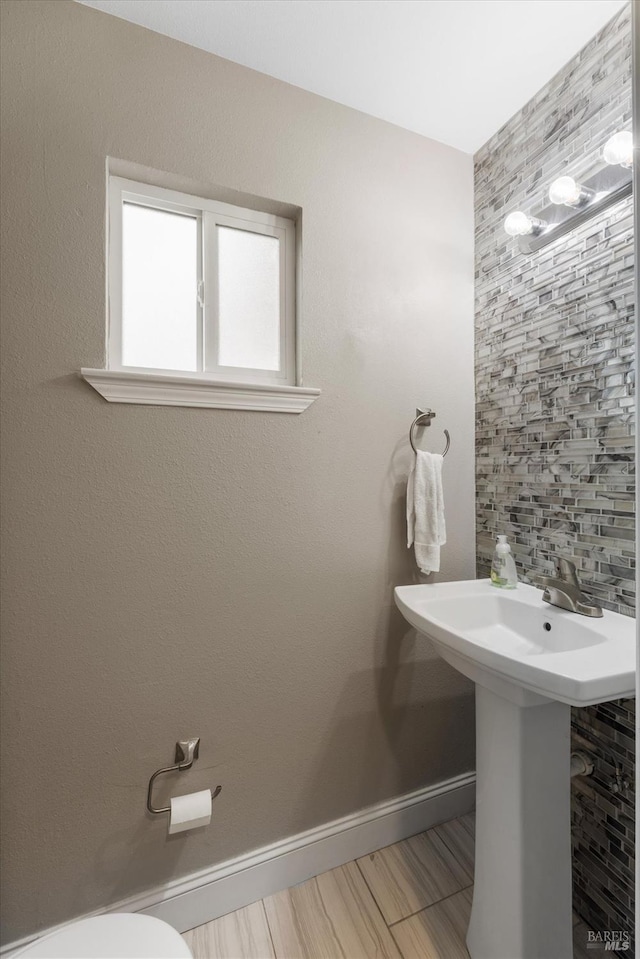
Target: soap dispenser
503	567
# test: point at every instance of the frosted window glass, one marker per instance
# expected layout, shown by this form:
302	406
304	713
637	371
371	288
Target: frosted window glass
249	299
159	289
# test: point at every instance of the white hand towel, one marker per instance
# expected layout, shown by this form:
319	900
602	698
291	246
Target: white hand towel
425	510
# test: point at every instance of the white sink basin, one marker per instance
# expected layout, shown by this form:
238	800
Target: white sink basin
530	662
513	636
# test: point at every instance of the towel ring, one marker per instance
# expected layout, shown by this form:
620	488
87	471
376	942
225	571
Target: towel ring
428	416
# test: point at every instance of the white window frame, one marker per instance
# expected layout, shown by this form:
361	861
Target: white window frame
209	214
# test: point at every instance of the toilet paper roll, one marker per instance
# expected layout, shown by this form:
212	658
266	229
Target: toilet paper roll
190	811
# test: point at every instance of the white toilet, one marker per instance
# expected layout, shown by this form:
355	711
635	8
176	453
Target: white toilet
121	935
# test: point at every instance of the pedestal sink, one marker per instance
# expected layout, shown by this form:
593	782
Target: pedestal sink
530	662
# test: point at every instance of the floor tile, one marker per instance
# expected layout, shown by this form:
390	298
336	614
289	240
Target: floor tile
437	932
413	874
240	935
458	837
422	885
468	821
330	917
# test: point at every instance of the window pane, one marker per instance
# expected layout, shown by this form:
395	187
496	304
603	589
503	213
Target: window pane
249	299
159	289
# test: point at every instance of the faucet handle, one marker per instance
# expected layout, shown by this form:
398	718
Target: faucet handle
566	570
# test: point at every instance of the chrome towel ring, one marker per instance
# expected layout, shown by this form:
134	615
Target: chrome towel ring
427	415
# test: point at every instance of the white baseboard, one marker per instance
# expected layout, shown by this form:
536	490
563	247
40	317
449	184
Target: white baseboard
210	893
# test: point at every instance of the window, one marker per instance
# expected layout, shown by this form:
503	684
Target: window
199	287
201	306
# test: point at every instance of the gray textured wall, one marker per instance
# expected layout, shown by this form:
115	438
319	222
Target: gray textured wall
174	572
555	408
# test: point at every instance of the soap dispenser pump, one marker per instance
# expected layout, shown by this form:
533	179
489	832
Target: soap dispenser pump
503	567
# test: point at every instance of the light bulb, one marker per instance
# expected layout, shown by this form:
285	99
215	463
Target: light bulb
618	150
565	191
521	224
518	224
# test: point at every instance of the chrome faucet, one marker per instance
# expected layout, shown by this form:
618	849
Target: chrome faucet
563	590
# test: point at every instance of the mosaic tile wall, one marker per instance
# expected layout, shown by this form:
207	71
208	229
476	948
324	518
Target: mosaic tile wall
555	424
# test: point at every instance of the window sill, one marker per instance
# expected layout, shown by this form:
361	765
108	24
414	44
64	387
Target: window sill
162	389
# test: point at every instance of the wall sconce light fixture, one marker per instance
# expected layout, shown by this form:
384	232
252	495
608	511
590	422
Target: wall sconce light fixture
572	203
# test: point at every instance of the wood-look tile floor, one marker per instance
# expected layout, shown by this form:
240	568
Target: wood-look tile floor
411	900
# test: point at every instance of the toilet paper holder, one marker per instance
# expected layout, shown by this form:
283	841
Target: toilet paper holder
186	752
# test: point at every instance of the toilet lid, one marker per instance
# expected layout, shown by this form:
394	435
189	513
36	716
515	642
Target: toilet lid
121	935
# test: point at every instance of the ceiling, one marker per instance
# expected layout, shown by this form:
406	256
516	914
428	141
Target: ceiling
453	70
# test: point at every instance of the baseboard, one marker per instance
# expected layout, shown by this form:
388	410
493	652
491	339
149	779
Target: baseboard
210	893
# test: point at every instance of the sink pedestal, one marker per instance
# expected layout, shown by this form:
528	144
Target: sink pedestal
522	893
